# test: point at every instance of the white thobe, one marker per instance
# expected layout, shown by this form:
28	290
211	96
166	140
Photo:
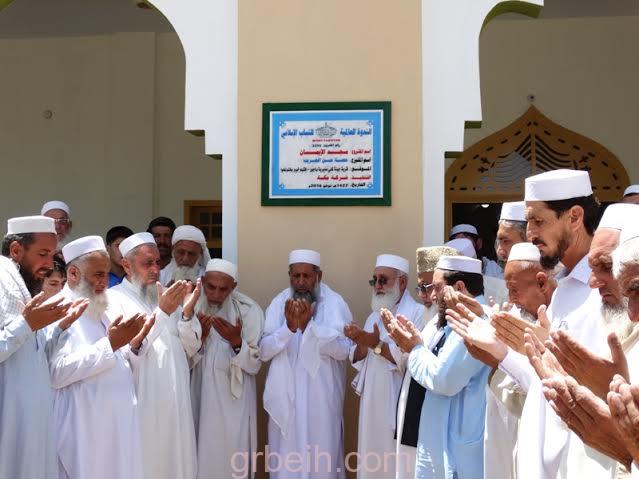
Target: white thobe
95	407
378	383
224	398
27	441
408	454
304	391
161	374
491	268
549	449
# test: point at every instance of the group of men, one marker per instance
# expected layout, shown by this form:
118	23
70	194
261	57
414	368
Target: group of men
144	364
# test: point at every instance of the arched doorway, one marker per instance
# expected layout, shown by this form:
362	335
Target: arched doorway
493	170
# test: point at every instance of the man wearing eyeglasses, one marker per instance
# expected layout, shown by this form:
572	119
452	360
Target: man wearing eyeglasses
61	214
380	365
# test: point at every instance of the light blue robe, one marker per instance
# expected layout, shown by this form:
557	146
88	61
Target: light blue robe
451	431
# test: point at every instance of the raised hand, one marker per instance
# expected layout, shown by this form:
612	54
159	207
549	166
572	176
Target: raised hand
541	358
476	332
623	400
172	297
232	334
122	332
510	329
206	322
139	338
403	332
290	313
360	337
586	415
39	315
191	298
305	313
588	368
458	298
76	309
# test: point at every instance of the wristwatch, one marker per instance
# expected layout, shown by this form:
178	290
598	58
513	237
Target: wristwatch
378	349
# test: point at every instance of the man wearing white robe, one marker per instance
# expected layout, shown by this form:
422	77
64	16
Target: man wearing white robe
562	215
27	441
381	365
304	392
189	256
223	380
95	406
160	364
411	396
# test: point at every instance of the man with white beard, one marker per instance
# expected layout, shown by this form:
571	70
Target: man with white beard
411	396
95	406
304	391
381	366
27	442
160	362
223	380
189	256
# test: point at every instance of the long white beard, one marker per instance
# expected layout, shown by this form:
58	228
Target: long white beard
98	302
224	310
617	320
148	292
387	300
188	273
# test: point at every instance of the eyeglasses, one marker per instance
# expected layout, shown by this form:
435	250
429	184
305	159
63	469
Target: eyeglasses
62	221
424	288
382	280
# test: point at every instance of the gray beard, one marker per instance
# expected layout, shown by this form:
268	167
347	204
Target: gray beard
308	296
224	310
387	300
188	273
98	303
616	319
148	293
526	316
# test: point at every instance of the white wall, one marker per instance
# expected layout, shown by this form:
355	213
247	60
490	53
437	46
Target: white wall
583	72
115	148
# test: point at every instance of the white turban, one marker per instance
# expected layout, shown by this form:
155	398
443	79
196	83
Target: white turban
55	205
191	233
219	265
82	246
304	256
134	241
30	224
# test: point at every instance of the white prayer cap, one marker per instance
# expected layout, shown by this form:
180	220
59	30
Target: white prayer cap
304	256
524	252
558	185
514	211
631	190
619	215
464	246
82	246
393	261
192	233
134	241
629	233
55	205
463	228
30	224
222	266
459	263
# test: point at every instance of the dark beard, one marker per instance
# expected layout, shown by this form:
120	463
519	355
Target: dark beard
33	284
549	262
441	315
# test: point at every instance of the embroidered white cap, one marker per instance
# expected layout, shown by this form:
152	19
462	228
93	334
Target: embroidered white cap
463	228
218	265
631	190
304	256
513	211
393	261
82	246
30	224
619	215
134	241
459	263
464	246
524	252
558	185
55	205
